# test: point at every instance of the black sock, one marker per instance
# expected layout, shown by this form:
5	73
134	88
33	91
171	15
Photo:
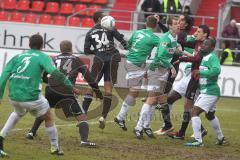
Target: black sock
87	101
1	142
166	115
107	100
36	125
83	130
185	122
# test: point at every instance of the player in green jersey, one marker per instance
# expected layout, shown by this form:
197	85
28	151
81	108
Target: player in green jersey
209	94
140	46
24	73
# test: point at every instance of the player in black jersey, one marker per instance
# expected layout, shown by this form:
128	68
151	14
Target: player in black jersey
60	97
105	62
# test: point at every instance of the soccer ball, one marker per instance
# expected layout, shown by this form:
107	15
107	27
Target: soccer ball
108	22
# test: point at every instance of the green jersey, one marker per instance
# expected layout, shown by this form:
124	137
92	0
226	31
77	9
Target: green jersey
166	48
24	72
209	71
140	46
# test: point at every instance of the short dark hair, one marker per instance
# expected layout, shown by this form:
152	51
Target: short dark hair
66	46
151	22
205	29
189	20
36	41
170	20
97	15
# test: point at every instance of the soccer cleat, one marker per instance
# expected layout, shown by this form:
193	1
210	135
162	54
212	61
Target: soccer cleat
88	144
164	130
139	134
101	123
221	142
176	135
121	123
149	132
3	154
30	135
194	143
56	151
204	133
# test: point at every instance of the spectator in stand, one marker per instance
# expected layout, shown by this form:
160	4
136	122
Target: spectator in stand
231	31
227	56
150	6
170	7
187	10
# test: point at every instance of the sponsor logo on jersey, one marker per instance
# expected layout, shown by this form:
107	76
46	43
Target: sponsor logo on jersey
164	44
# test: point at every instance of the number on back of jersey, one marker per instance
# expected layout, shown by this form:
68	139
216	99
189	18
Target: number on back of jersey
101	41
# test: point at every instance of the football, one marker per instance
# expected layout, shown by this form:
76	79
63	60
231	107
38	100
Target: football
108	22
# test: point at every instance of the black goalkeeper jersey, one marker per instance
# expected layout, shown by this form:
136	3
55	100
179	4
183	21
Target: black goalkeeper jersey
100	42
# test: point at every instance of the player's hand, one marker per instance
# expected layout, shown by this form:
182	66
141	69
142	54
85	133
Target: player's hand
179	49
174	72
176	62
76	91
98	93
157	17
196	74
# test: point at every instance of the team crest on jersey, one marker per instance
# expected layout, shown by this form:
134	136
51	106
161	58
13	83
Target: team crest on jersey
164	44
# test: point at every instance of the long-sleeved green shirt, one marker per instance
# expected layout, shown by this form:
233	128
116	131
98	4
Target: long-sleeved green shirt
24	72
140	45
209	71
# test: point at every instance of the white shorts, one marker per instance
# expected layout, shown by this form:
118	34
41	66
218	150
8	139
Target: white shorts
157	80
36	108
181	86
206	102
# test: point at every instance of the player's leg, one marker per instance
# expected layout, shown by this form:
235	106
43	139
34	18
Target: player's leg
14	117
96	73
53	98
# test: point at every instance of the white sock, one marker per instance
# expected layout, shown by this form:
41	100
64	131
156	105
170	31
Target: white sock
53	135
196	125
123	112
11	122
147	121
170	107
216	126
144	114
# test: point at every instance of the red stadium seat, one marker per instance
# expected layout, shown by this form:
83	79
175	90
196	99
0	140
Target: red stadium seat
16	17
94	8
23	5
30	18
3	16
74	21
9	4
101	2
87	1
52	7
87	22
45	19
37	6
80	7
59	20
66	8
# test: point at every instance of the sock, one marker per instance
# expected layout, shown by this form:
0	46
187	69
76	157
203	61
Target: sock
128	102
107	100
196	125
87	101
185	122
52	135
216	126
166	115
148	118
11	122
83	131
143	116
36	125
170	107
1	143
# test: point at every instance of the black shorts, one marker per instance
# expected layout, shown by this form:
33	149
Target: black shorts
68	104
101	68
192	88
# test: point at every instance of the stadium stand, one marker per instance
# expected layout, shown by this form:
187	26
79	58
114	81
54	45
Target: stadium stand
30	18
16	17
74	21
9	4
66	8
37	6
59	20
52	7
87	22
23	5
45	19
3	16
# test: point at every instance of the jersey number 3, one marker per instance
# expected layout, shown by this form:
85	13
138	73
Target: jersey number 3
104	40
